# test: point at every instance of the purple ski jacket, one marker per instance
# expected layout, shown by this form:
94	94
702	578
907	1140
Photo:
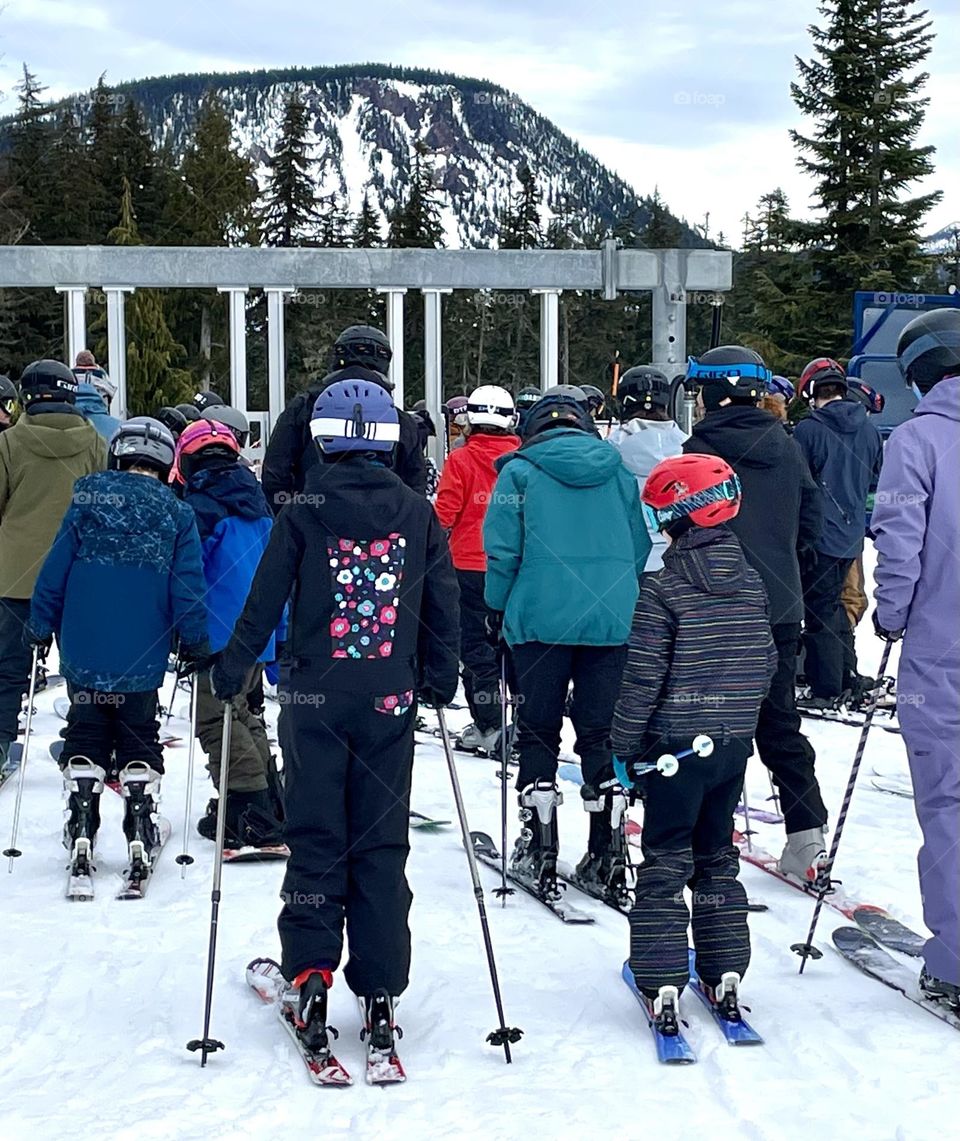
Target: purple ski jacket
916	521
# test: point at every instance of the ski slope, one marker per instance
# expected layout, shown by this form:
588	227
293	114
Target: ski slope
97	1000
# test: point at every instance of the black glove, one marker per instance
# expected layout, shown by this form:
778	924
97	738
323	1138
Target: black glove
194	659
42	643
493	625
226	684
436	698
886	635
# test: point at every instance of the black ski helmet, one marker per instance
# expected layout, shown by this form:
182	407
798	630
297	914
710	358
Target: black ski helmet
142	441
929	348
641	389
189	412
50	381
557	411
729	370
361	345
207	399
172	419
528	396
9	396
596	401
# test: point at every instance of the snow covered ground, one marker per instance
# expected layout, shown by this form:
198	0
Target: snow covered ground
97	1000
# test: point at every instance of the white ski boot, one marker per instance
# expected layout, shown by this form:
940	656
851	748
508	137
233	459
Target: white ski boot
82	786
476	740
804	856
535	854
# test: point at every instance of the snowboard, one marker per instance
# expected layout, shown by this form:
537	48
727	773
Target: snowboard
867	955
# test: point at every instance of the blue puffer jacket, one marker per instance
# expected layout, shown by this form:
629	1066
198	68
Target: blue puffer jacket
234	522
122	577
94	409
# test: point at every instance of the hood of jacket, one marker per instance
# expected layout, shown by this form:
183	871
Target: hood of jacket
942	400
750	437
842	416
125	503
219	492
487	448
710	559
642	444
570	456
53	434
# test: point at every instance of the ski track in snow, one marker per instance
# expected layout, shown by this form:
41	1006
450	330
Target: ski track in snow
97	1000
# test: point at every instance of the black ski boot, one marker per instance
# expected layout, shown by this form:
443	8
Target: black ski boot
726	996
535	854
943	993
82	786
311	1016
605	869
140	787
380	1032
251	821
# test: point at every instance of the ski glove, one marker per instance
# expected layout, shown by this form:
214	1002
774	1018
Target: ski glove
43	642
194	659
493	625
225	684
886	635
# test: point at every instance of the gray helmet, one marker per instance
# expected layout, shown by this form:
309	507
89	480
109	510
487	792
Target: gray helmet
142	441
570	392
929	348
233	418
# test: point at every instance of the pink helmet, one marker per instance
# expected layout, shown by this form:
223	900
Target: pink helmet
199	436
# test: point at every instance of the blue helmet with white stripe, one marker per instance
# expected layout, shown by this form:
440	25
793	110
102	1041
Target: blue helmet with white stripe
354	416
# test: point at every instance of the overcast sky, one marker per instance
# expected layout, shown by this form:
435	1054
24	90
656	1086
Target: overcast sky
694	99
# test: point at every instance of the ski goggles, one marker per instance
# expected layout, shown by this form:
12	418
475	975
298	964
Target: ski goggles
701	373
657	518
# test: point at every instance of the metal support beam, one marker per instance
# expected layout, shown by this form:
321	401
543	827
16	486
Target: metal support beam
670	315
238	344
395	337
433	367
75	306
276	351
549	337
117	346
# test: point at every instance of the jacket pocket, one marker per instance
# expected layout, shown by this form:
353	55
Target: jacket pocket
394	704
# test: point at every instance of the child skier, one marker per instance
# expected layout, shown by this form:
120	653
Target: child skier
125	537
373	620
700	659
466	486
234	521
646	435
565	545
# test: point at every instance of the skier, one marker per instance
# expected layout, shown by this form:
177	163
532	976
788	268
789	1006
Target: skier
9	402
206	399
565	545
291	453
526	398
94	404
188	412
41	456
233	418
596	401
427	429
455	414
234	522
843	451
127	538
646	435
776	399
373	620
777	538
700	657
466	485
916	524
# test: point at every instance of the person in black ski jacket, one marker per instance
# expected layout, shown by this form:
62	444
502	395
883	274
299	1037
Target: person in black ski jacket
373	624
290	451
844	452
778	526
699	661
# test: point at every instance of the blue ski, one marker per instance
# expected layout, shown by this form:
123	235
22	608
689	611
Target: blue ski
736	1033
671	1048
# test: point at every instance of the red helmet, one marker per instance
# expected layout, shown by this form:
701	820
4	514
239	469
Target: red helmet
822	370
199	436
704	489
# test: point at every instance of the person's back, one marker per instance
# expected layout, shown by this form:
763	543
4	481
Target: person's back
94	408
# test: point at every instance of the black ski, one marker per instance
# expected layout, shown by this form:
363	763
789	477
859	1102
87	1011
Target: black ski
486	852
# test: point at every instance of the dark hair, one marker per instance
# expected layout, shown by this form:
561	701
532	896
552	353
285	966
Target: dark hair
679	527
828	391
490	430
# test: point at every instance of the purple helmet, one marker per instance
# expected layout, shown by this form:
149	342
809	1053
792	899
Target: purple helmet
779	385
354	416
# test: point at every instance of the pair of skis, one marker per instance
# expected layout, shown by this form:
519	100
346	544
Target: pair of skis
136	877
663	1018
383	1067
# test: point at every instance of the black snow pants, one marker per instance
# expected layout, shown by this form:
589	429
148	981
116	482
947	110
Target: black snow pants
478	659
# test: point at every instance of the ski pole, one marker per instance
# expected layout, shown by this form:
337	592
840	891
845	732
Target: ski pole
503	890
774	795
504	1035
807	950
667	764
176	682
747	830
206	1044
13	851
185	858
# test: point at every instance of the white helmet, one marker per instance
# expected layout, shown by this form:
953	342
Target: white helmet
489	404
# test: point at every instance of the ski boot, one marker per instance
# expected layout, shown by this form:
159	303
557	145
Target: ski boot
726	996
821	706
380	1032
305	1004
664	1008
943	993
140	788
535	854
804	857
82	786
473	739
604	870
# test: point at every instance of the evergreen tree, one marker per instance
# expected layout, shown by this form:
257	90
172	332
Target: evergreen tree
290	212
520	223
136	160
416	221
862	89
31	159
366	228
662	231
71	218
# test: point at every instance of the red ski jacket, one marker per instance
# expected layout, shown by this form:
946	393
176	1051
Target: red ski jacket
466	485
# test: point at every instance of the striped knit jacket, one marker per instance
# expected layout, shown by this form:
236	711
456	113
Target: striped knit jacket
701	655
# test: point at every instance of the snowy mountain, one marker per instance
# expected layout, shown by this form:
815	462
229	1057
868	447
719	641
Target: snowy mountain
365	119
944	241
